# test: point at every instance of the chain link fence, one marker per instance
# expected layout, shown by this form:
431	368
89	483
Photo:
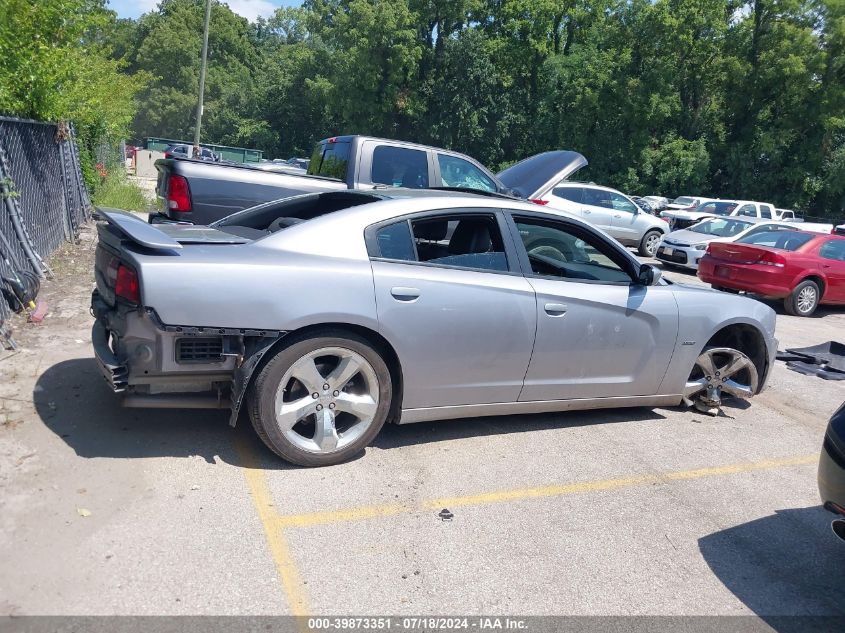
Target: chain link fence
43	202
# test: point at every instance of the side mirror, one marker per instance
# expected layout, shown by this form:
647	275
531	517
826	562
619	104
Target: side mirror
649	275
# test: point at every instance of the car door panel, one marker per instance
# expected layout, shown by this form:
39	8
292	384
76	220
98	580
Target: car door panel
462	336
598	334
832	263
612	340
596	209
624	221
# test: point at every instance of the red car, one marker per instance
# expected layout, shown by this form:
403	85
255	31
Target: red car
804	269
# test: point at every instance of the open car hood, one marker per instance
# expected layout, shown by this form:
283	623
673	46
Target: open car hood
532	177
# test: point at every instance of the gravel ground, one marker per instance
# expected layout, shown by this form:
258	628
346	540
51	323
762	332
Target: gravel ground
634	511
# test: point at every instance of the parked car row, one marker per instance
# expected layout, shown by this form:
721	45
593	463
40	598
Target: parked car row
801	268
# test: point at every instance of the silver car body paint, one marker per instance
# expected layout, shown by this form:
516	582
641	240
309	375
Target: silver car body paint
469	343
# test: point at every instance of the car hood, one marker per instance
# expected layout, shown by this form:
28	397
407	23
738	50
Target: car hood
532	177
688	238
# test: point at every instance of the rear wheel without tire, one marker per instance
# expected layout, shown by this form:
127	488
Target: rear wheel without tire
322	399
803	300
719	372
649	244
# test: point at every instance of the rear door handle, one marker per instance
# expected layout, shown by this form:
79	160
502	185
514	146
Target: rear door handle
587	211
401	293
617	216
555	309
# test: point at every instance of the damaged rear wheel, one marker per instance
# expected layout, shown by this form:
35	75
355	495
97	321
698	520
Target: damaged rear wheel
720	372
321	400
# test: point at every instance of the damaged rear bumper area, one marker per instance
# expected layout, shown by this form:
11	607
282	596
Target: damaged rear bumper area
153	365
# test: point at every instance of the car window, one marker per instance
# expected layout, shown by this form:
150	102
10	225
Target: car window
748	210
556	250
457	172
597	198
834	249
573	194
394	242
766	211
400	167
464	241
784	240
621	203
330	159
685	200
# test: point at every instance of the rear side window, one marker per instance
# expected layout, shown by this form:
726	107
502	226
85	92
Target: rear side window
468	241
748	210
400	167
573	194
766	211
330	160
598	198
834	249
394	242
784	240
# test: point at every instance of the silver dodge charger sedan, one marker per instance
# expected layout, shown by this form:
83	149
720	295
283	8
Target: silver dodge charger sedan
331	314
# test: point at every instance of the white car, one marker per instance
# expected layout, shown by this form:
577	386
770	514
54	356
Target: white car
610	210
687	203
685	247
681	219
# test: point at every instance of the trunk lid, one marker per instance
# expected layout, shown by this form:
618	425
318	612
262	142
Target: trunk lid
740	253
532	177
123	230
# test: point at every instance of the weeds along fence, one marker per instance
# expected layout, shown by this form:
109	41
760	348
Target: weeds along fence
43	202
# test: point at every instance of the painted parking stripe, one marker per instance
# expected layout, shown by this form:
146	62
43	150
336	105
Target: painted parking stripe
556	490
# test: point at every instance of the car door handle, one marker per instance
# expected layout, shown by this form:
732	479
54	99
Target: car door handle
401	293
587	211
555	309
617	216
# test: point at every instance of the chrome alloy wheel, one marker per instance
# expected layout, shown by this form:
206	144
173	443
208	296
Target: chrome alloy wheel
327	399
717	371
651	244
806	299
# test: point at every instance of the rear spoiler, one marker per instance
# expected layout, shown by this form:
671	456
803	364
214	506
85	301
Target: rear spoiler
136	229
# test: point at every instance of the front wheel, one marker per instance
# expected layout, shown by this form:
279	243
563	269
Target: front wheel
649	244
321	400
717	372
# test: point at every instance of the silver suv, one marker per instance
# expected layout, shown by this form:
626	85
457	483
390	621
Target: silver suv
612	211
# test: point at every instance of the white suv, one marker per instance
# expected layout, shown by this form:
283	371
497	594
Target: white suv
612	211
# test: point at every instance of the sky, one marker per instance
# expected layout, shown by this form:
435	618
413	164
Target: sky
250	9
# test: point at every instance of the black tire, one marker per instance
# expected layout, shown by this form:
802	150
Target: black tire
649	238
796	303
262	395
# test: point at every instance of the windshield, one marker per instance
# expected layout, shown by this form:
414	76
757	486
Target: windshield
716	208
684	200
720	228
783	240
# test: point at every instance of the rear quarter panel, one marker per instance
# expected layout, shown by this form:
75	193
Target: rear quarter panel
254	286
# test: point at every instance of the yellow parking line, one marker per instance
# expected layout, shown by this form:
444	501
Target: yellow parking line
370	512
273	532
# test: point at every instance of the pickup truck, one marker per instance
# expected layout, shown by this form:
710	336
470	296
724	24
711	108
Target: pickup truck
198	192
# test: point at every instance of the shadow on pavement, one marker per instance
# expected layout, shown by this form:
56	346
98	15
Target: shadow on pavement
75	403
785	564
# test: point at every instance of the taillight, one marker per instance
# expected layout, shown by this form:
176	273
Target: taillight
772	259
178	194
126	284
542	203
